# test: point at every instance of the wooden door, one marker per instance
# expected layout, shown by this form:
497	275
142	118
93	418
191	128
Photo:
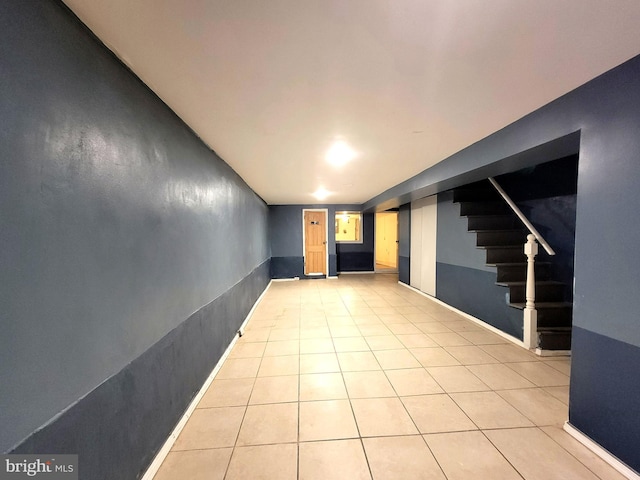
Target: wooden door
315	243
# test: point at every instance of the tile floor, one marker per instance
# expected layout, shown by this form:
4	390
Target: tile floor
361	378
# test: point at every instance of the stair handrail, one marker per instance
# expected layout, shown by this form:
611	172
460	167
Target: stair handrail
522	218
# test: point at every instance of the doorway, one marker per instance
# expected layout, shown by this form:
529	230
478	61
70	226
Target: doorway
314	234
386	242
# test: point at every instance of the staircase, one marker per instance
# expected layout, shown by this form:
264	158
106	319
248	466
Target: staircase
502	235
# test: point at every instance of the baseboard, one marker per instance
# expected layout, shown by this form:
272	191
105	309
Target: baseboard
475	320
604	454
166	448
553	353
293	279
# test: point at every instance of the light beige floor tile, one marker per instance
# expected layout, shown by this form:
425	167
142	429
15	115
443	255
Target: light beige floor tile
509	353
457	379
483	338
248	350
377	417
342	320
403	328
417	340
464	326
350	344
389	315
434	357
278	334
272	423
450	339
308	323
210	428
433	327
419	317
413	381
335	460
358	361
536	456
407	457
275	390
562	365
583	454
540	374
316	345
368	319
238	368
500	377
227	393
280	365
319	363
255	334
384	342
489	410
469	455
408	309
394	359
470	355
322	386
373	330
208	464
437	413
368	384
282	347
360	311
314	332
561	393
537	405
345	331
327	420
263	462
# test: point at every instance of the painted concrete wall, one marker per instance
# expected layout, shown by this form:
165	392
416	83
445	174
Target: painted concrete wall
286	240
601	121
129	251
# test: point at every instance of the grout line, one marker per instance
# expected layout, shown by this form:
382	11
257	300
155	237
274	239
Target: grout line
155	465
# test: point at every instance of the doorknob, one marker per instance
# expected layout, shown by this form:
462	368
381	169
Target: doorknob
324	243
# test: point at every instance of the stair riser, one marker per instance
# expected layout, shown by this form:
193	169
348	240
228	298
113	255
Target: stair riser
508	237
518	273
505	255
555	317
544	293
554	341
484	208
489	222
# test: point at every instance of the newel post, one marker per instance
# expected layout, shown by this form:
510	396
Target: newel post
530	337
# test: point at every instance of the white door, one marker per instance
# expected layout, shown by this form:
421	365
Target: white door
424	224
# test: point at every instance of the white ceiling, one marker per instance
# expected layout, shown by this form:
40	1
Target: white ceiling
269	85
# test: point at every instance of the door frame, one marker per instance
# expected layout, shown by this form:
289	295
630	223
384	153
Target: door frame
326	239
375	243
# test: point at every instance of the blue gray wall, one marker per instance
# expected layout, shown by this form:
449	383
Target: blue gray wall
463	278
601	121
285	238
130	252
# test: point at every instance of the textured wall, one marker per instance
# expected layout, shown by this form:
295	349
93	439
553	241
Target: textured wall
117	224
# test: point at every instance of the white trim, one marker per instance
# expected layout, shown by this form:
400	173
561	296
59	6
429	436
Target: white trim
468	317
553	353
326	239
168	444
601	452
293	279
332	278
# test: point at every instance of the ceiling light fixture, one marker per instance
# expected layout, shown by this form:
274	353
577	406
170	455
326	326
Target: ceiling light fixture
340	153
321	194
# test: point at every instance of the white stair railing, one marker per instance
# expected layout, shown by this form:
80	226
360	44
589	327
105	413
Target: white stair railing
530	319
